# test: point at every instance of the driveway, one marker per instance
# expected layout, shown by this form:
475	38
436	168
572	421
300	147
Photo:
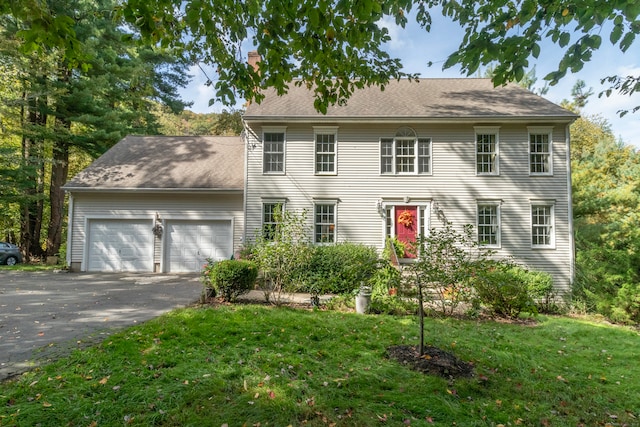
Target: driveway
43	315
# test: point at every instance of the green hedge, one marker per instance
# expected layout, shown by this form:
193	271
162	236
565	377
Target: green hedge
508	290
232	278
339	268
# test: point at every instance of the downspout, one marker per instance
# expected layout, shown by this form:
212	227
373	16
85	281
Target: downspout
572	259
246	180
69	231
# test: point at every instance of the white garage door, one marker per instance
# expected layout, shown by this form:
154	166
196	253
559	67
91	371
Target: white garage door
120	245
190	243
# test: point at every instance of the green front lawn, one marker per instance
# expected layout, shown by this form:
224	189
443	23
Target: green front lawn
262	366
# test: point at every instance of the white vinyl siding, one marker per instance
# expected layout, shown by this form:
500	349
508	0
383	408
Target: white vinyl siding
324	223
453	189
325	147
487	153
540	151
488	224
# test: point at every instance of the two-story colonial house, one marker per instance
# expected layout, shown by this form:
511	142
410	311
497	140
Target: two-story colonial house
399	162
392	163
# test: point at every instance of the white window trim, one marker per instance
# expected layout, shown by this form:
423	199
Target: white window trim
276	129
552	205
421	205
325	130
498	205
416	141
334	203
487	130
540	130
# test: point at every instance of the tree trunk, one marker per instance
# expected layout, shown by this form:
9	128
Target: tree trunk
420	316
59	171
33	167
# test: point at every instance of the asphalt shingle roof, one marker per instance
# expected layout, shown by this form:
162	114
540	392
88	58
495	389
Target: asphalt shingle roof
167	162
461	98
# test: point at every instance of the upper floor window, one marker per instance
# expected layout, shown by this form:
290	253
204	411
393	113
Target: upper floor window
540	153
325	142
273	150
405	154
487	151
324	222
542	225
489	224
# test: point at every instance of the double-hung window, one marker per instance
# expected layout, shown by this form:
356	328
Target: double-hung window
540	151
273	151
542	225
271	217
324	222
405	154
488	223
326	150
487	160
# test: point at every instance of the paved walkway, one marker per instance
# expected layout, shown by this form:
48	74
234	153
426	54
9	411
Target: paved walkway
44	314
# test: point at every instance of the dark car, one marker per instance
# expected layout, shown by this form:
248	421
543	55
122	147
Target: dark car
9	254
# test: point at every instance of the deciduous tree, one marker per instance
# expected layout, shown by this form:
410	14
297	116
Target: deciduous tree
336	46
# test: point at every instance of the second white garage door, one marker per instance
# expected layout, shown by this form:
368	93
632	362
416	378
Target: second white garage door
190	243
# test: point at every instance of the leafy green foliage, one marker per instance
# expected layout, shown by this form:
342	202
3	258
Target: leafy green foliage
232	278
508	290
445	262
282	254
339	268
64	110
336	47
606	196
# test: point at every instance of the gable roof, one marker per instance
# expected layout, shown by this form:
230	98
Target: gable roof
424	99
166	162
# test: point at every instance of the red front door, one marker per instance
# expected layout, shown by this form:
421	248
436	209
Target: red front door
406	219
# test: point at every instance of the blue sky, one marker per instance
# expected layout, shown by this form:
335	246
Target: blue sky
415	47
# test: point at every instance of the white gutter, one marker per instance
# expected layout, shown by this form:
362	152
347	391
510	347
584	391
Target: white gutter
69	231
572	260
153	190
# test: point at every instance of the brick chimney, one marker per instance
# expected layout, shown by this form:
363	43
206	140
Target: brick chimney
253	58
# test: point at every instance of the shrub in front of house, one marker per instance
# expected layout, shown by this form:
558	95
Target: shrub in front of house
507	290
232	278
339	268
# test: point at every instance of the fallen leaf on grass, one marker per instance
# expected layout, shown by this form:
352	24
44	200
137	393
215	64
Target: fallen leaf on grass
104	380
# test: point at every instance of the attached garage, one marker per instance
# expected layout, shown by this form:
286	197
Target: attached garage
120	245
191	243
158	204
